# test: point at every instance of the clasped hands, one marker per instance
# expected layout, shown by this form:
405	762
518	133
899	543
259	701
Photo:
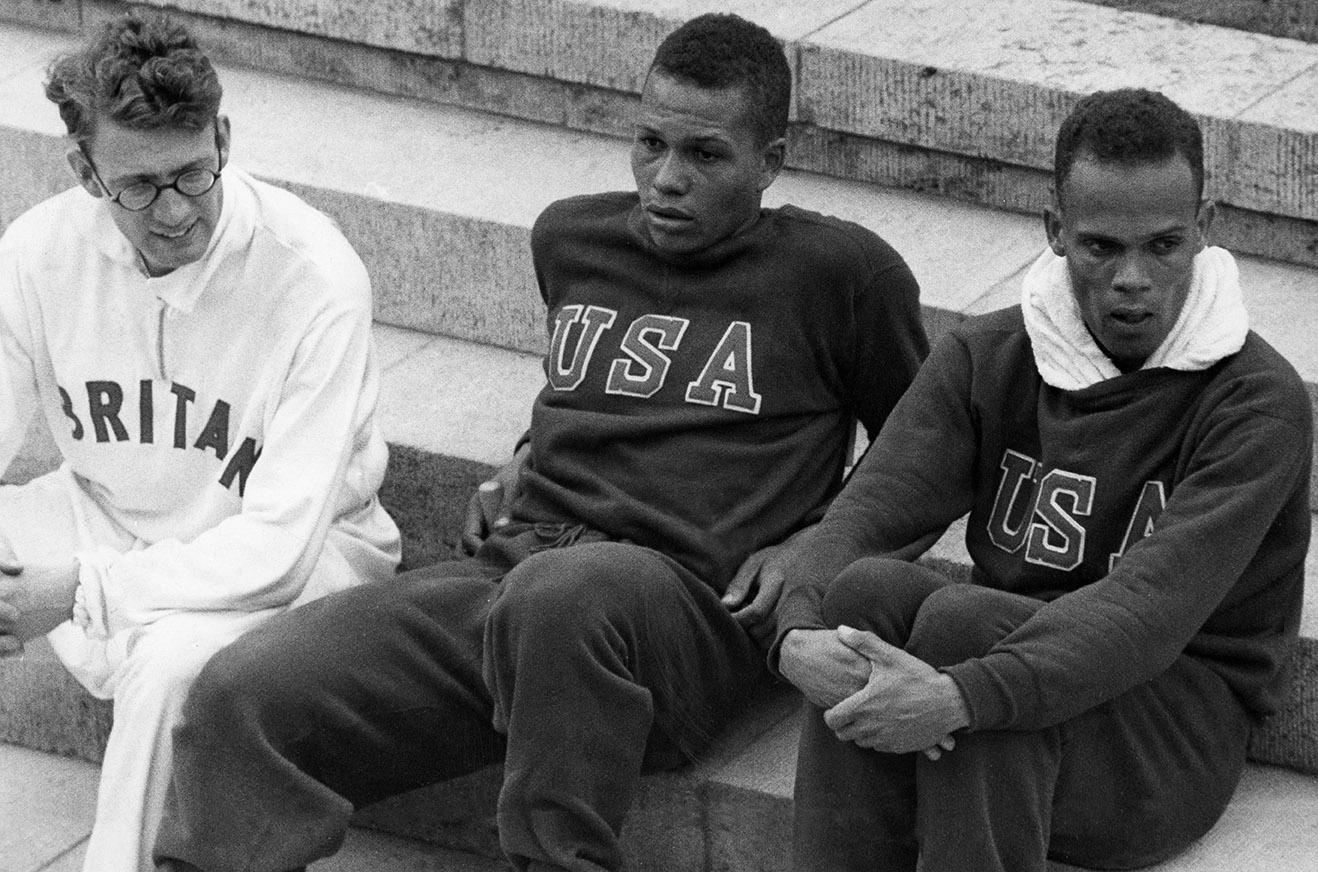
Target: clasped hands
874	694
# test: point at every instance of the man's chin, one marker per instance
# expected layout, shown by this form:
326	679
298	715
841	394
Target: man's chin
671	242
163	258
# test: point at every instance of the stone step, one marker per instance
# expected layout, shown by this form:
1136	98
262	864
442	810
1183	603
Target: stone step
1269	824
936	95
439	200
48	803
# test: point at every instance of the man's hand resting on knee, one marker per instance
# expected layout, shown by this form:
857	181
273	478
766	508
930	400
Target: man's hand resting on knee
821	667
906	705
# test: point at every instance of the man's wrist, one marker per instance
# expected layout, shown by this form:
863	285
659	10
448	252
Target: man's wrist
955	702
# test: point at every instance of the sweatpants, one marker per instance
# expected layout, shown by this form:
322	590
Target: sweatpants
1123	785
146	670
578	661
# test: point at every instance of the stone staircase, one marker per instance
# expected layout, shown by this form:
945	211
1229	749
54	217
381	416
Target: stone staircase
435	130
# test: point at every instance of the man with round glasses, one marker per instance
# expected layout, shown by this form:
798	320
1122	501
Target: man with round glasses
199	345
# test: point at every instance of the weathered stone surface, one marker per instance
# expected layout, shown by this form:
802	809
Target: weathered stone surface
32	170
431	27
47	804
442	273
58	14
460	399
995	79
1277	151
610	44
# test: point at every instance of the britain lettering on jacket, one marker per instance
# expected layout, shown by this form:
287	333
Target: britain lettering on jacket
1044	512
726	379
105	417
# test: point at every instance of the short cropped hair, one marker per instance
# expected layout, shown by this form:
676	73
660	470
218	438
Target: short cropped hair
144	73
1128	126
721	50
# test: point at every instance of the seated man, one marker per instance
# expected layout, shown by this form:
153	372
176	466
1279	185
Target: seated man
1135	464
199	345
707	358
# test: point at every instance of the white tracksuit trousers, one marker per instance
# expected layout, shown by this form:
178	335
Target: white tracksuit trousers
147	670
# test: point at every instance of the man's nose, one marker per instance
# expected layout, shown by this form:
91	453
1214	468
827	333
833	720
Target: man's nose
672	176
1132	274
171	207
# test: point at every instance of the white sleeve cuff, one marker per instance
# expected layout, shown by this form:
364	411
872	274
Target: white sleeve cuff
98	602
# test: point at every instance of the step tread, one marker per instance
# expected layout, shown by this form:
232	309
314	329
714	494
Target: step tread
1271	823
482	168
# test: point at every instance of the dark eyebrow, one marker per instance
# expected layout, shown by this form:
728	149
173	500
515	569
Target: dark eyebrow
709	140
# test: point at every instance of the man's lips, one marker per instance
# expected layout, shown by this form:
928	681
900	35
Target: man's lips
667	218
1130	317
175	234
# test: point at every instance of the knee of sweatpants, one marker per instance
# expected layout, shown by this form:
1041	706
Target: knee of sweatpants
258	681
560	596
879	594
961	621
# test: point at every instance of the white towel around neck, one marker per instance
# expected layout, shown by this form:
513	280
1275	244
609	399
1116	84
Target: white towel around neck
1212	324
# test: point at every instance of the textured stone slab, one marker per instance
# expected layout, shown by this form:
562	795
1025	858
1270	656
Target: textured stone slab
47	804
461	399
995	79
1052	45
1271	824
372	851
1276	148
33	169
610	44
43	707
1287	737
21	47
666	829
60	14
956	250
421	26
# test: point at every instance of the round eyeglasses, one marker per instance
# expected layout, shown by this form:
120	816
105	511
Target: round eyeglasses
140	195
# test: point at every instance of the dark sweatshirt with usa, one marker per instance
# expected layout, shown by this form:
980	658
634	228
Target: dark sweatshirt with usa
1160	514
703	405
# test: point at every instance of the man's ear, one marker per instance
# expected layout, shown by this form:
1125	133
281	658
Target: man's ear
83	170
772	157
222	139
1052	227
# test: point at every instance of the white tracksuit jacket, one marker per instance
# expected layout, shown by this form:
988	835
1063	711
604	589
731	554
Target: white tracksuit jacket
221	415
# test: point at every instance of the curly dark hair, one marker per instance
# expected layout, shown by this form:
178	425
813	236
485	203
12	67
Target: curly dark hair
143	73
719	50
1129	125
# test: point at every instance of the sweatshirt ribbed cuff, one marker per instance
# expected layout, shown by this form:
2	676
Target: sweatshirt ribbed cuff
985	694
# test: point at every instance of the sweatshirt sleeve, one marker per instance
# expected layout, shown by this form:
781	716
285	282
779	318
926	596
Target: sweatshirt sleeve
890	343
321	458
912	483
1098	641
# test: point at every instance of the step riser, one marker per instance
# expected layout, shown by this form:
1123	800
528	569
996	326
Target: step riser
580	66
440	273
436	272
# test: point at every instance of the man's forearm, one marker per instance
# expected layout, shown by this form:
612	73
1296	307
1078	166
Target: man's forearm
44	595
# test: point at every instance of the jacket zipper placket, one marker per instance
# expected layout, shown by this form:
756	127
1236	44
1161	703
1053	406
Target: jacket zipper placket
160	340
